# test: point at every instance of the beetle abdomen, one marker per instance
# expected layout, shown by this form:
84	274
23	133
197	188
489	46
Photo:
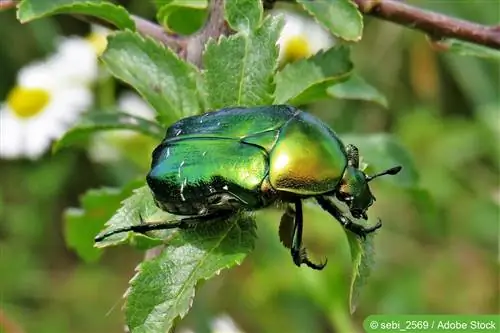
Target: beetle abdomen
195	176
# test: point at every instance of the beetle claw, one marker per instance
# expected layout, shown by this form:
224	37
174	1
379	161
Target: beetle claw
305	260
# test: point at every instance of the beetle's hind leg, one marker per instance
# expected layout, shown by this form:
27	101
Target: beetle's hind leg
184	223
333	210
299	254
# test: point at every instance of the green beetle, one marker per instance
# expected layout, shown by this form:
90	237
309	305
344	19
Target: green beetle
211	165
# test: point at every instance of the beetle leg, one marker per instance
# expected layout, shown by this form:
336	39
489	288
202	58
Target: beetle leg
299	254
184	223
333	210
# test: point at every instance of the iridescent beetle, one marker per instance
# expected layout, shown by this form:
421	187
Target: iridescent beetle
211	165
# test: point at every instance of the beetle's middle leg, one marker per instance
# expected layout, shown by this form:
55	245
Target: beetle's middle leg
184	223
299	254
333	210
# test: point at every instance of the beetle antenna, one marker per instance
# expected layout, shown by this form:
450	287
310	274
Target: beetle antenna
391	171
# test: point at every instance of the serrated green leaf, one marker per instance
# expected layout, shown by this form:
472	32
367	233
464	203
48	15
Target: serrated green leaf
117	15
164	287
168	83
468	49
102	121
239	69
355	87
362	256
140	205
82	224
307	80
182	16
243	15
341	17
382	151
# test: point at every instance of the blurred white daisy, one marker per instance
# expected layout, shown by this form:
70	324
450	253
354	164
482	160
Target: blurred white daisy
106	145
224	324
301	36
80	56
39	109
50	96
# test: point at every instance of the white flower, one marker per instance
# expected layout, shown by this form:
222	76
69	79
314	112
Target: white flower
39	109
301	36
224	324
80	56
131	103
50	96
105	146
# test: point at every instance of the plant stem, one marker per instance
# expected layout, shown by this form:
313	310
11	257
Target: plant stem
437	26
7	4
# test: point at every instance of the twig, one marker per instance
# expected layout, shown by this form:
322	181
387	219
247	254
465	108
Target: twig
7	4
153	30
146	28
437	26
214	27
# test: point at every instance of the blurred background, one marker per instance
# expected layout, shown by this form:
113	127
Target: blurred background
436	253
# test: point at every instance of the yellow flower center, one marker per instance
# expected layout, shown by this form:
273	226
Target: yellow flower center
98	42
27	102
295	48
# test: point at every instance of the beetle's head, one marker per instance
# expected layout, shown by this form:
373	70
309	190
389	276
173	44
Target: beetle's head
354	189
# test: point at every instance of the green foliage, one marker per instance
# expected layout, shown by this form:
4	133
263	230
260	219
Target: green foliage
341	17
117	15
165	81
362	255
82	224
103	121
243	15
239	68
469	49
307	80
164	287
355	87
182	16
137	208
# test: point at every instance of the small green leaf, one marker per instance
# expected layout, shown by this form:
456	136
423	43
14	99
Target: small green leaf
468	49
307	80
243	15
382	151
362	256
139	205
117	15
82	224
168	83
355	87
182	16
164	287
341	17
239	69
102	121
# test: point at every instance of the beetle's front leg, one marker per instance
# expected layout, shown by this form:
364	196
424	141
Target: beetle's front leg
299	254
333	210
